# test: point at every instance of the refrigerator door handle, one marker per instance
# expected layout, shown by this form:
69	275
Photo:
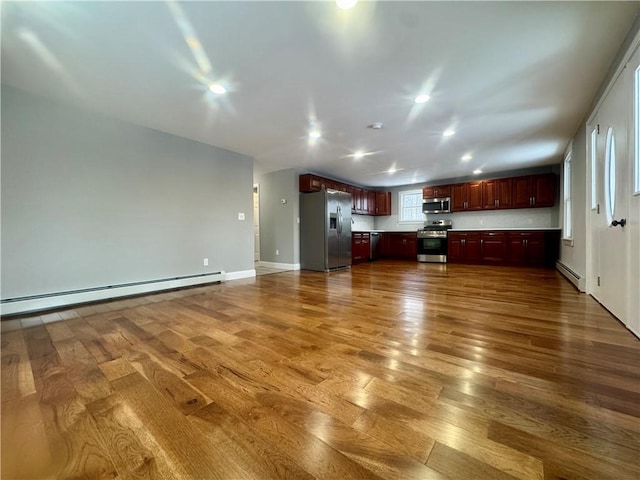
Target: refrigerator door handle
339	219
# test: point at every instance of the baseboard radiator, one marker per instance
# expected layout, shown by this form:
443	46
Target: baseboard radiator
572	276
34	303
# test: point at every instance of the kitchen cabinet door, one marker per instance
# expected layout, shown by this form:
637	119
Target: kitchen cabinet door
473	248
496	194
365	201
356	241
309	183
437	191
466	196
458	197
371	203
534	191
543	190
399	245
464	247
455	243
526	248
383	203
493	247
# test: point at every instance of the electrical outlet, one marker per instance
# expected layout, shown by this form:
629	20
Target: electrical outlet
205	262
241	216
277	252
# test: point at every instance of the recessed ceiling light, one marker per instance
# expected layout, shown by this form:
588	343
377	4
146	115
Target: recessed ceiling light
314	134
358	155
477	171
448	133
346	4
375	126
217	89
392	170
422	98
467	157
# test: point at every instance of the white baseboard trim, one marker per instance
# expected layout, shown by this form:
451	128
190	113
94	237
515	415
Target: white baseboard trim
573	277
240	274
63	299
282	266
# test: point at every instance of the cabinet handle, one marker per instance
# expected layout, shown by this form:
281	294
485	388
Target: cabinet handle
496	203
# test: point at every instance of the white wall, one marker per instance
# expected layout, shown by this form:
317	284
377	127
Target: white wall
89	201
581	257
574	254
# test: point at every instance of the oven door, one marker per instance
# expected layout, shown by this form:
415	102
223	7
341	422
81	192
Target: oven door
432	249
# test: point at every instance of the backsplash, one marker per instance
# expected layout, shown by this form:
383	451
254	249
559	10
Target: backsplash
362	222
516	218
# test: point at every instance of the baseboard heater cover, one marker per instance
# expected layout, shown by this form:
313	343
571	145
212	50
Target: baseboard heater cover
572	276
32	303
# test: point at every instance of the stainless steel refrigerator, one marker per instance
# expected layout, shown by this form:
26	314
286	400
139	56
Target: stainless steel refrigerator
325	230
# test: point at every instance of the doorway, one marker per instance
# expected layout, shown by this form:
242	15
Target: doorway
612	263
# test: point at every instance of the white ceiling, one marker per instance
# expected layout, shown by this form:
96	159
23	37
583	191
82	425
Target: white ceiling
514	79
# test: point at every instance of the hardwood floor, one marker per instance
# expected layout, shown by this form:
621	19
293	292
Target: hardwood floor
392	370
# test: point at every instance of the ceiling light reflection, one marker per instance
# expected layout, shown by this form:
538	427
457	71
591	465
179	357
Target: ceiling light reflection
217	89
448	133
346	4
422	98
190	36
467	157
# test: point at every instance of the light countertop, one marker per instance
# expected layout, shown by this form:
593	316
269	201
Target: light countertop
505	229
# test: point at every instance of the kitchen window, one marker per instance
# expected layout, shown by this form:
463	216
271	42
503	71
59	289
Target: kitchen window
568	221
410	206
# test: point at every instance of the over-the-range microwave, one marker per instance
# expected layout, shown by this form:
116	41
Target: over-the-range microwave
436	205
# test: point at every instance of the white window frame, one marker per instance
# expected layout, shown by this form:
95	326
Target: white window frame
417	193
567	227
594	169
610	167
636	134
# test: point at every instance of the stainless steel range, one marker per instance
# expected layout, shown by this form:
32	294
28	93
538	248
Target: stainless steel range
432	241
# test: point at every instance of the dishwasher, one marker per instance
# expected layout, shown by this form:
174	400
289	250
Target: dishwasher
374	246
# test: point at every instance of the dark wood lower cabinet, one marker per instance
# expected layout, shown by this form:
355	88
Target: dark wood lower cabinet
526	248
464	247
535	248
399	245
360	247
493	247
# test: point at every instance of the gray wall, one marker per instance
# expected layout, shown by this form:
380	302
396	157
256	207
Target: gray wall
89	201
279	228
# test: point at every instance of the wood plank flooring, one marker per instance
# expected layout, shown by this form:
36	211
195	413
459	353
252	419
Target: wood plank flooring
392	370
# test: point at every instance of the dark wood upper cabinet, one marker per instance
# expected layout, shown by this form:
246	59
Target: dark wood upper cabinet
534	191
310	183
363	201
496	194
466	196
437	191
383	203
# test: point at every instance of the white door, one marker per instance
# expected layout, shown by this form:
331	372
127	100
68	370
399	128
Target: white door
611	240
256	223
